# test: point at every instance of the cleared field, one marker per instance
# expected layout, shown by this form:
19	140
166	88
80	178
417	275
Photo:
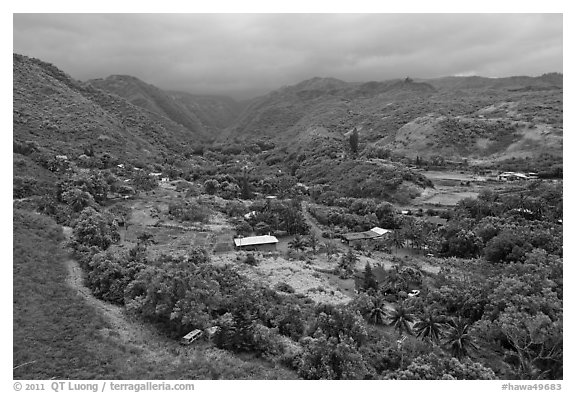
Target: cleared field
298	274
449	175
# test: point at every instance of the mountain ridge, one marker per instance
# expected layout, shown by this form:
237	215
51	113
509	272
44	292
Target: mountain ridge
472	117
64	116
201	114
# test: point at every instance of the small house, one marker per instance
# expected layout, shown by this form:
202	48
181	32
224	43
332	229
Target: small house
511	176
358	237
256	243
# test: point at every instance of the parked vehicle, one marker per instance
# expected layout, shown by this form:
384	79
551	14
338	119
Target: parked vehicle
413	293
191	337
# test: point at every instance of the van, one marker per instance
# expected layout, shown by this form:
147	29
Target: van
191	337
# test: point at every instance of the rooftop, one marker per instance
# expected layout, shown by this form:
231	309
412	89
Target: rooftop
255	240
371	234
380	231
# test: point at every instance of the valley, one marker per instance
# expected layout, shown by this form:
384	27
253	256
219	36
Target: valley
402	229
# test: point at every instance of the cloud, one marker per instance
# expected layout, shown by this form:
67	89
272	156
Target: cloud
242	54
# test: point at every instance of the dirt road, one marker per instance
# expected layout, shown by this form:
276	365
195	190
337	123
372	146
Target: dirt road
316	230
121	327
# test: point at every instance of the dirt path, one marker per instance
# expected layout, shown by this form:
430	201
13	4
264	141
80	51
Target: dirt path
113	314
315	228
122	328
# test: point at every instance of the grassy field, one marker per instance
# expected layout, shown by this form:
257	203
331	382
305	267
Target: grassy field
57	334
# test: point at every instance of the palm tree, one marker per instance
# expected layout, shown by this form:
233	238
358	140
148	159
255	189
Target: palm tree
401	318
429	328
458	338
377	313
297	243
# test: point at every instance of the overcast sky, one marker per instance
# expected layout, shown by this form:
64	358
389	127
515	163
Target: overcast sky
244	55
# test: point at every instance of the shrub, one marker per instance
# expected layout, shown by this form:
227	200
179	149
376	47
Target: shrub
284	287
251	260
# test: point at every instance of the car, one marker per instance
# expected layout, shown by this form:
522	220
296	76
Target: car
413	293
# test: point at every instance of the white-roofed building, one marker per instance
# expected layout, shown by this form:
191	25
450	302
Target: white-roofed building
256	243
380	231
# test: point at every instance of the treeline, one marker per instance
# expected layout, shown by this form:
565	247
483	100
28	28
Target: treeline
277	217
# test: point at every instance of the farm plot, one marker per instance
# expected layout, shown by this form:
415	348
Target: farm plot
223	242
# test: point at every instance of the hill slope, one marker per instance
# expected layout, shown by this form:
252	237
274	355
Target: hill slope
63	116
456	117
319	102
203	115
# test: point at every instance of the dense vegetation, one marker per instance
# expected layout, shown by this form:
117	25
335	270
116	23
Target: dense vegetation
494	309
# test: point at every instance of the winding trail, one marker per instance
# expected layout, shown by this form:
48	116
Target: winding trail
121	326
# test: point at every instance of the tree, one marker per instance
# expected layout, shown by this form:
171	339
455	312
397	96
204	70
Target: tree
261	228
93	229
506	247
401	318
398	239
340	322
77	199
297	243
110	274
459	340
354	141
347	264
377	313
328	358
243	228
464	244
438	366
386	216
429	328
145	238
177	294
369	279
537	343
229	190
211	186
246	192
